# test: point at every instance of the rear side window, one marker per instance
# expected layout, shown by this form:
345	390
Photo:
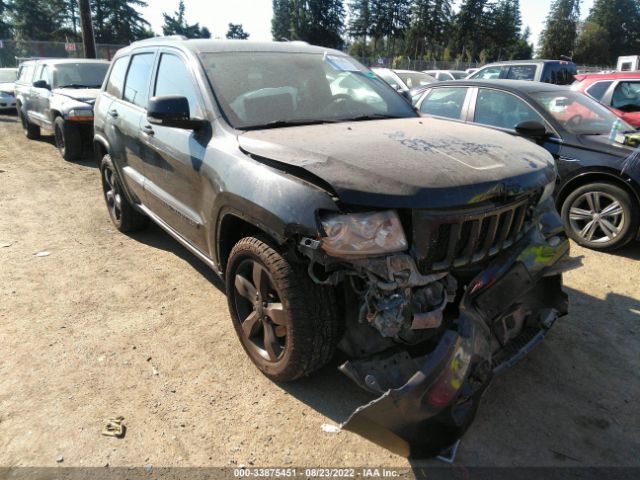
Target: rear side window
445	102
115	83
503	110
489	73
522	72
136	88
626	97
559	73
597	90
26	72
175	79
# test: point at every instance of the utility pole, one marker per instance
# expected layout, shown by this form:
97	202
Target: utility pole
88	40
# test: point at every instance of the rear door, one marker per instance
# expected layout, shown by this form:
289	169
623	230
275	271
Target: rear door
41	97
174	157
24	85
124	111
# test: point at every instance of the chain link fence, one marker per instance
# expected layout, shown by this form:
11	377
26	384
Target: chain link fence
12	52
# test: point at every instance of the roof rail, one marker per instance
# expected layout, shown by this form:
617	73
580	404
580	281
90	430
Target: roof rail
155	39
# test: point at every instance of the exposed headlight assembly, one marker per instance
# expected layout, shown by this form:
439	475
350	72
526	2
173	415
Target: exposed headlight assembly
359	234
80	115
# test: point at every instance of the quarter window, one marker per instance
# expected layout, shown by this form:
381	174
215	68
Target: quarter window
522	72
116	78
136	88
175	79
444	102
597	90
503	110
489	73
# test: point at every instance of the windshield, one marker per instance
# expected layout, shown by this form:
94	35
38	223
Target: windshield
263	89
8	76
415	79
79	75
579	114
459	75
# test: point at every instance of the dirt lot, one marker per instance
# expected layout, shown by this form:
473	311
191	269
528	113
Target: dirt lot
110	324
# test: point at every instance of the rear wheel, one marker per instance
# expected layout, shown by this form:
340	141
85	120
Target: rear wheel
600	216
288	325
68	139
123	215
31	131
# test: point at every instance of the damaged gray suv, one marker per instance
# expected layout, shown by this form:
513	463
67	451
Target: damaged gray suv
429	253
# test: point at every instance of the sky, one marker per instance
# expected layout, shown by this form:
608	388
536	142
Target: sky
255	15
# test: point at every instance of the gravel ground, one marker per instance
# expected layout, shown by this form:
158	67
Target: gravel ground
109	324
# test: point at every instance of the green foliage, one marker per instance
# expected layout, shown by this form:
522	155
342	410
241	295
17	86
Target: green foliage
176	24
119	21
559	36
620	21
237	32
281	20
593	46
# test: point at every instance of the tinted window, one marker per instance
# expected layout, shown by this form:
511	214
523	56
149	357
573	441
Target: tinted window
597	90
116	78
503	110
258	89
175	79
559	73
489	73
522	72
136	88
626	97
444	102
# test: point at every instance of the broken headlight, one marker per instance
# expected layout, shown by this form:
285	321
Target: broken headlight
363	234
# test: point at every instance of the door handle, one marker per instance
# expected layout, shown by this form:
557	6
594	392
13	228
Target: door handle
148	130
113	113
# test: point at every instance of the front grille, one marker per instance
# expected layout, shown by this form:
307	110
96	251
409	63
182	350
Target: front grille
455	239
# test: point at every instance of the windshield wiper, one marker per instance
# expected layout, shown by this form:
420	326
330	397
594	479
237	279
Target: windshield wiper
286	123
74	85
373	116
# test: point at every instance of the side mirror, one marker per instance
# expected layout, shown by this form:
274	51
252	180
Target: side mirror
532	130
41	84
172	111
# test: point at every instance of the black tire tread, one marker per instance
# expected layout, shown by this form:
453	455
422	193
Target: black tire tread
72	140
313	307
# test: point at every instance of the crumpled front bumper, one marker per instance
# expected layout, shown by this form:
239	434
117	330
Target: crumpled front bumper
438	402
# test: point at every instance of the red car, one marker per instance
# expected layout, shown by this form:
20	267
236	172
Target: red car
619	91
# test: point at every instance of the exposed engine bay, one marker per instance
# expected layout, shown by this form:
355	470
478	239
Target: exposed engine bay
429	340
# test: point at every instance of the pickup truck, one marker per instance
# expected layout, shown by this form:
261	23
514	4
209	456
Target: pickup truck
559	72
58	95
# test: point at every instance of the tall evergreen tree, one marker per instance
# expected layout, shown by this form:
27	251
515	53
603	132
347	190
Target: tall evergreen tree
620	19
592	47
37	19
281	20
176	24
430	23
119	21
470	29
6	30
320	22
236	32
360	20
558	39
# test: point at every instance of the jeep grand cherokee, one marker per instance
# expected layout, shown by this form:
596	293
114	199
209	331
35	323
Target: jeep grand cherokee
429	253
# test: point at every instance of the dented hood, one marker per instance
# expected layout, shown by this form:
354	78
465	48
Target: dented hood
86	95
405	163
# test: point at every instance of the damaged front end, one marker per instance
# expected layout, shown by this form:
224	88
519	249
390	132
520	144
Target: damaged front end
430	321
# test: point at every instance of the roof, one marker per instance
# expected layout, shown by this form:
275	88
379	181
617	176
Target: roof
608	76
517	62
510	85
60	61
215	46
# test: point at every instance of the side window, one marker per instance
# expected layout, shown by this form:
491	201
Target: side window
597	90
387	77
522	72
26	73
43	73
444	102
503	110
558	74
489	73
175	79
626	97
116	79
136	87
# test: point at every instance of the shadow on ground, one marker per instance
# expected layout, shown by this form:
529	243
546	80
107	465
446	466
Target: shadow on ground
631	251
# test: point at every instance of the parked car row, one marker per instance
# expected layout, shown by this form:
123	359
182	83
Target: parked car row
7	88
340	217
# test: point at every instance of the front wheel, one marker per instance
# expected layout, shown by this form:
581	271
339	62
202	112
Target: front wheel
288	325
31	131
600	216
68	139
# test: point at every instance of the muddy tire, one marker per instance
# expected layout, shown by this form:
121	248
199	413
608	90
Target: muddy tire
68	139
600	216
288	325
123	215
31	131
